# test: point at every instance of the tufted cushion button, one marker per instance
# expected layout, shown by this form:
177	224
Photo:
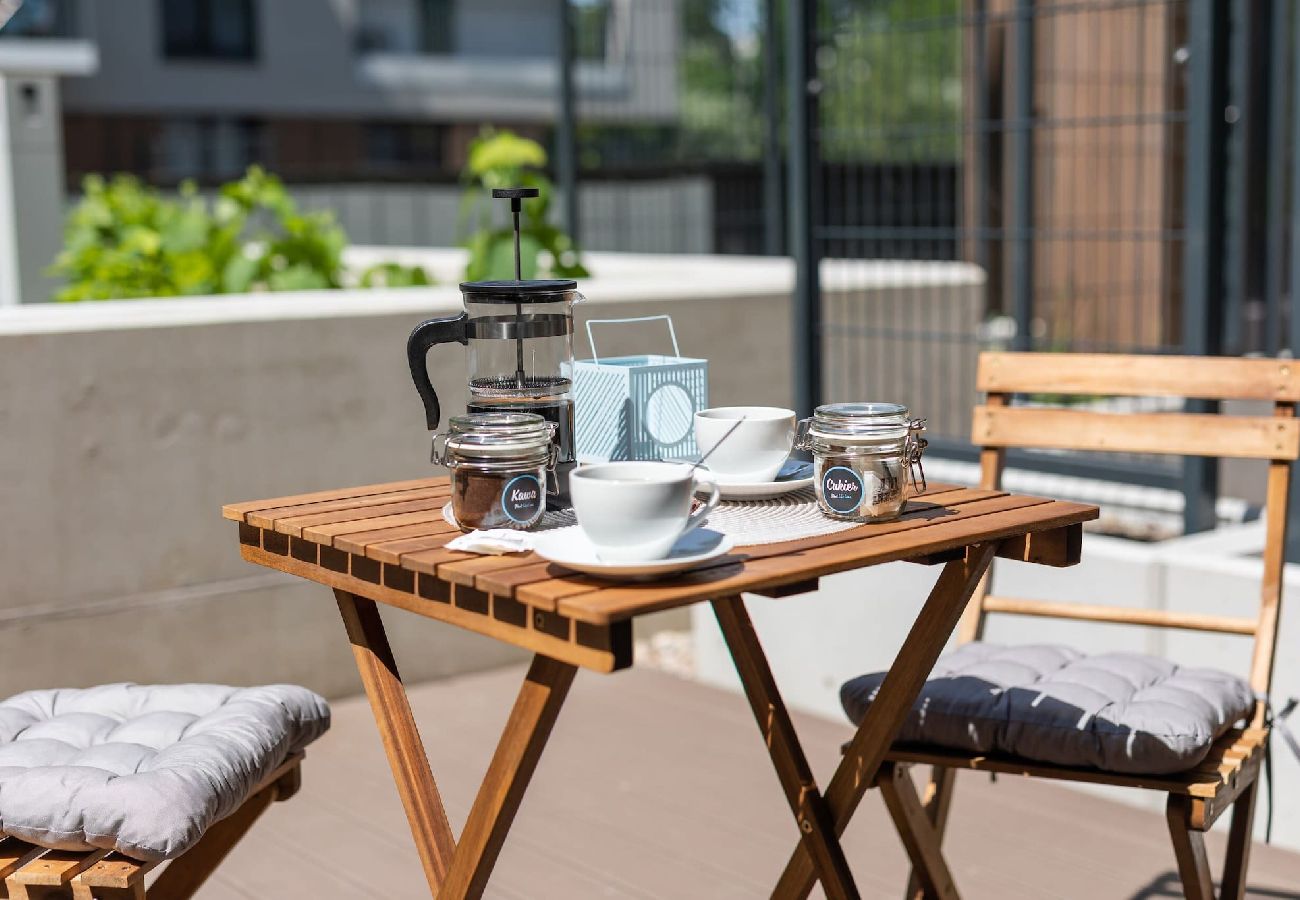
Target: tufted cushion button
1118	712
143	770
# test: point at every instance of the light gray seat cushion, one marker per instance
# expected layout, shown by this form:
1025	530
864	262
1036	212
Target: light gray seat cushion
1119	712
143	769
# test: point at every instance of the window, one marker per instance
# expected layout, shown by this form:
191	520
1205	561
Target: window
590	21
209	29
397	147
39	18
208	149
436	26
406	26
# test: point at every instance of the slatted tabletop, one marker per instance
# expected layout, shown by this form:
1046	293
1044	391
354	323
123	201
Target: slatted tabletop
387	542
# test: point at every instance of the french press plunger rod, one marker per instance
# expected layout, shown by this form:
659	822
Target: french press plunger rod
516	197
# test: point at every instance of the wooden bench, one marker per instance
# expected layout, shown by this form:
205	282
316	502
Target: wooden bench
1228	778
28	872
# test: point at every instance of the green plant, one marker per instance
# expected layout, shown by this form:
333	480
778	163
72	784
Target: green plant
126	240
394	275
502	159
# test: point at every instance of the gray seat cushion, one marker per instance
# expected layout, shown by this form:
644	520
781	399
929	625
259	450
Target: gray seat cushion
143	769
1119	712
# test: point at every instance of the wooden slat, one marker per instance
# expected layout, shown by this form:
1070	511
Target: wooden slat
466	571
14	854
427	561
56	867
115	871
1202	785
237	511
970	524
265	518
296	526
1052	609
1211	378
607	649
1186	434
325	534
546	591
1205	781
510	578
506	581
393	552
360	542
918	513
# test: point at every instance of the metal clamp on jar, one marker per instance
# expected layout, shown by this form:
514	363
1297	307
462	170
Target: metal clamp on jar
862	455
499	466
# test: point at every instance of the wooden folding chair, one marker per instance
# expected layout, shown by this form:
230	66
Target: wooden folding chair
1228	778
28	872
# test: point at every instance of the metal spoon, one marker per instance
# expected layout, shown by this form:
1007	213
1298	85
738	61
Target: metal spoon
728	434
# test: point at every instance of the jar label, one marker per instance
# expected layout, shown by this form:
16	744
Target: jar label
522	498
842	489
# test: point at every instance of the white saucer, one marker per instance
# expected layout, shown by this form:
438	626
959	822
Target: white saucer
795	474
570	548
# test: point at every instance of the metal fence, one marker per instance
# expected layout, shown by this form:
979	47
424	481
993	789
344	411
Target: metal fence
1124	183
1109	175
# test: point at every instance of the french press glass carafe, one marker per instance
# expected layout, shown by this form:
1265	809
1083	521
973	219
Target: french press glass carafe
520	339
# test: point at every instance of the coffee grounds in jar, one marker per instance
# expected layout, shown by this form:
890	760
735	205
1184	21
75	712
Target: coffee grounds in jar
479	499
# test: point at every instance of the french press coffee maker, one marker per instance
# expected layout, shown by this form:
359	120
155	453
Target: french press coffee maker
520	339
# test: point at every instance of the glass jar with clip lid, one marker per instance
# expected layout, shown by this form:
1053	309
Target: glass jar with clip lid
863	453
499	463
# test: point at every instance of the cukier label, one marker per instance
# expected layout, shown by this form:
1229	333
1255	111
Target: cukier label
842	489
522	498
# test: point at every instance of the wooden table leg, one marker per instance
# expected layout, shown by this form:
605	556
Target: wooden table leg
521	745
861	763
920	839
402	744
818	837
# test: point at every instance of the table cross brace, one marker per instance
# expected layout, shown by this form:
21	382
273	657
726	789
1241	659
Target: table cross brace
862	761
454	869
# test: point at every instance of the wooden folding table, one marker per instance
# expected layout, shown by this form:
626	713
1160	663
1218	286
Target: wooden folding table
384	543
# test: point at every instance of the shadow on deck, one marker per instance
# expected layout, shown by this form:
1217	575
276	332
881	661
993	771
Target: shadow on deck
653	787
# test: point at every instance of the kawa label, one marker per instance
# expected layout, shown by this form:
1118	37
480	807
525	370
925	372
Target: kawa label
522	498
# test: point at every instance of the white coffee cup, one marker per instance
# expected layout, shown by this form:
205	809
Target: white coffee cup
755	451
635	511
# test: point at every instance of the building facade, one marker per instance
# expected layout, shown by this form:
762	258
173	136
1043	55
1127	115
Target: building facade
336	90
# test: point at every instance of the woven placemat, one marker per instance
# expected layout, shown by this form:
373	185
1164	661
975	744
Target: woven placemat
787	518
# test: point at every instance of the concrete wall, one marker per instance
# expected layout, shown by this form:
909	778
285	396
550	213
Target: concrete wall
858	620
126	426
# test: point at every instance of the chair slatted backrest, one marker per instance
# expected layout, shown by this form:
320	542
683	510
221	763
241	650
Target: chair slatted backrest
998	426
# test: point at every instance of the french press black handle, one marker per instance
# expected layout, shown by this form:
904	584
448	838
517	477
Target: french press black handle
435	331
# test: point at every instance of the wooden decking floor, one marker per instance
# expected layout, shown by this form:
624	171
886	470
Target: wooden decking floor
654	787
